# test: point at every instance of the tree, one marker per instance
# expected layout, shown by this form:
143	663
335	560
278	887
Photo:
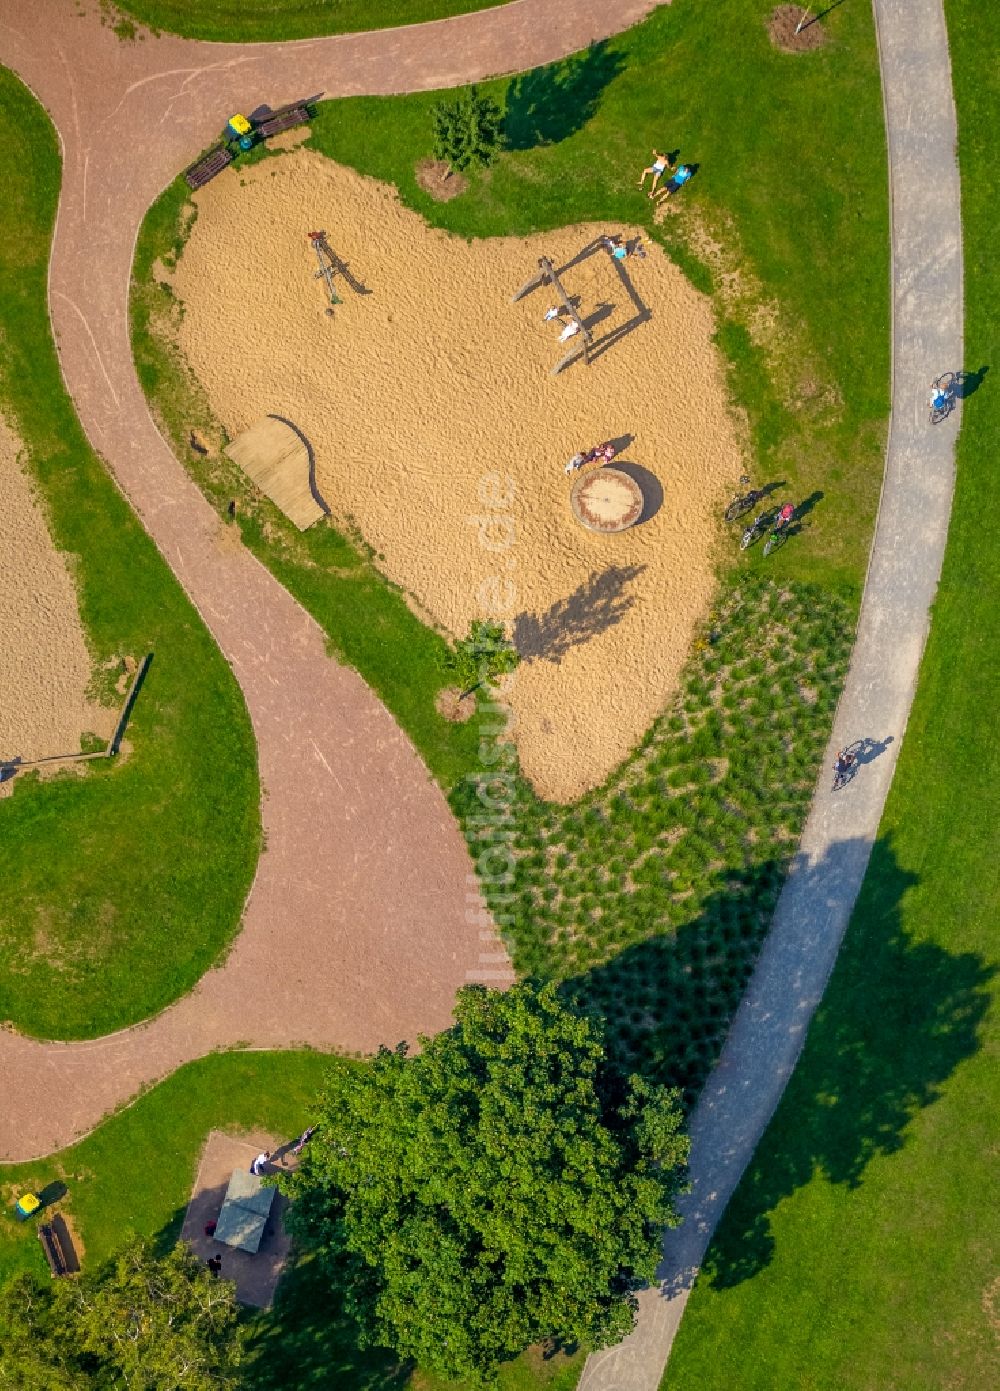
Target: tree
449	135
486	654
493	1190
149	1323
35	1353
484	123
467	131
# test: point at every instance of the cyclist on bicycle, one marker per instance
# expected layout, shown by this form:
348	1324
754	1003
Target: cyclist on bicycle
844	763
941	396
784	516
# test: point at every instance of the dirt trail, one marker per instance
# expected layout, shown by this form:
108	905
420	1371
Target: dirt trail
362	921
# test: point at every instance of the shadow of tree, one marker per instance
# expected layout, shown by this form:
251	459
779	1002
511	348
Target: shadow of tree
547	104
897	1018
668	1000
305	1341
597	605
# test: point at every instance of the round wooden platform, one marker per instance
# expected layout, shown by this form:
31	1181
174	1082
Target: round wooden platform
605	499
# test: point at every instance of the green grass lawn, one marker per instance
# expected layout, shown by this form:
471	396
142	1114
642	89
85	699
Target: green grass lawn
262	21
860	1250
121	886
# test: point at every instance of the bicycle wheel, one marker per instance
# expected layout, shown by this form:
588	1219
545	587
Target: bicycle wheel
939	413
739	507
776	539
947	381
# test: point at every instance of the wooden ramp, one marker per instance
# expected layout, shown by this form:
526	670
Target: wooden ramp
276	457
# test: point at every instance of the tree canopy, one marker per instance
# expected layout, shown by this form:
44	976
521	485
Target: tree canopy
479	659
143	1322
467	131
493	1190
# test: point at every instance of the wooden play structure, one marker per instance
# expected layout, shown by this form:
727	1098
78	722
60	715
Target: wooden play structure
277	457
583	340
330	264
241	134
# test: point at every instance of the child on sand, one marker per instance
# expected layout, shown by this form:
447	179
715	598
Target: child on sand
659	164
621	251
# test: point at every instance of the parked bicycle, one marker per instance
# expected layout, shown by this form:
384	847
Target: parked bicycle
757	527
944	393
779	532
743	502
847	764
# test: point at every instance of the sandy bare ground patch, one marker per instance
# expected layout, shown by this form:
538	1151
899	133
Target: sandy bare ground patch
44	663
256	1275
438	429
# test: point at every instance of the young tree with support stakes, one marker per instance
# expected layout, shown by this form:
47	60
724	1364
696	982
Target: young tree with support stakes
496	1189
482	658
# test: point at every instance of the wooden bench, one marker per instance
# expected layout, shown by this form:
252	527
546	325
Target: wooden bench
58	1247
283	120
213	163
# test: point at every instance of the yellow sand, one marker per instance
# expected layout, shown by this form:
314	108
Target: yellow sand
44	664
439	432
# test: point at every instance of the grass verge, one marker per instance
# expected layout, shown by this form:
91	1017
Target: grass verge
123	885
860	1249
229	21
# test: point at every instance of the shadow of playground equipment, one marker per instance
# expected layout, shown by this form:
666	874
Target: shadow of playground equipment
897	1019
547	104
641	315
595	607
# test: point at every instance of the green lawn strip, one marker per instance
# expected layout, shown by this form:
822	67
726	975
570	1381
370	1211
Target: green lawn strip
121	886
229	21
860	1250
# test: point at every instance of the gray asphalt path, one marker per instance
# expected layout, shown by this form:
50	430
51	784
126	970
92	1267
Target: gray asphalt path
812	914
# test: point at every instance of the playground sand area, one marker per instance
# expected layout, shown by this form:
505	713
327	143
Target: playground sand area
44	664
440	434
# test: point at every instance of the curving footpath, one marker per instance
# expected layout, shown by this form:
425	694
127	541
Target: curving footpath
364	917
813	911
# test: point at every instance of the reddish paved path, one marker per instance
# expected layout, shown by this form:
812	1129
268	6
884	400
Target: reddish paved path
355	932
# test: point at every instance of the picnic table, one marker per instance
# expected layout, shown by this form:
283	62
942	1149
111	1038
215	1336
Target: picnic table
245	1210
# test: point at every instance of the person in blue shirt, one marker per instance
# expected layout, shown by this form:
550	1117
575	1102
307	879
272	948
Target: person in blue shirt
678	180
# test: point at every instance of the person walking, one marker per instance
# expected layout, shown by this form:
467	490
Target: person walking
259	1165
214	1264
